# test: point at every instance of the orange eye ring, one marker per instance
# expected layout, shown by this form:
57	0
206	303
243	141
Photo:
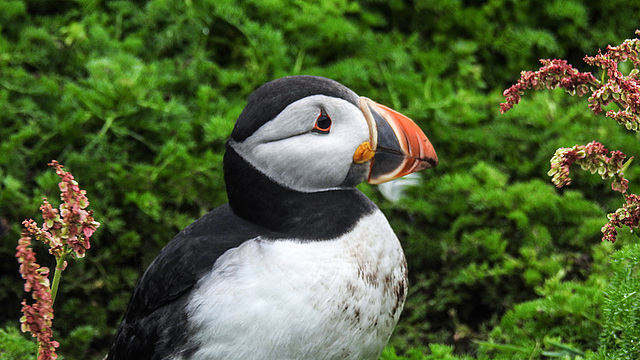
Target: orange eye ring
323	123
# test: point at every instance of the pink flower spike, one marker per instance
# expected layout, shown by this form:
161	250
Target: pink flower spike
628	215
554	73
593	158
65	230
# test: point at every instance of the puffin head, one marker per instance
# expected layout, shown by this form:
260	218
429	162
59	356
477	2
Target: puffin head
311	134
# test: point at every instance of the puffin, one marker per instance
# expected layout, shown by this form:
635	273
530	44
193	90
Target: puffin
299	264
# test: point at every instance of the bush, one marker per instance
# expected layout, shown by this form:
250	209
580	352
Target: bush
15	346
138	98
621	310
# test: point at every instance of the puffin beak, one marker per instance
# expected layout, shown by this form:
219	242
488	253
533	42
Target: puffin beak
397	146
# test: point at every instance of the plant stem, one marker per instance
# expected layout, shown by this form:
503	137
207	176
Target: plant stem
57	275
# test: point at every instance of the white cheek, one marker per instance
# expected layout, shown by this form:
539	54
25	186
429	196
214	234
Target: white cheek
307	161
297	164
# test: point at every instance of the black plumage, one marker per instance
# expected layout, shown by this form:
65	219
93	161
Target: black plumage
266	209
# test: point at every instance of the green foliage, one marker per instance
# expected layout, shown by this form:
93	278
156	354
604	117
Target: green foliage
503	241
621	310
138	98
594	319
436	352
565	320
499	38
15	346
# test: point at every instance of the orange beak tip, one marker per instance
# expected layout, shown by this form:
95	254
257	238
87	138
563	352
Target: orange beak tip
403	146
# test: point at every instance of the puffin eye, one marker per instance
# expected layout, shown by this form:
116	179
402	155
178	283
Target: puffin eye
323	123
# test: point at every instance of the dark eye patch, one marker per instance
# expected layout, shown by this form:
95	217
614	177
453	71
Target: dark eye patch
323	123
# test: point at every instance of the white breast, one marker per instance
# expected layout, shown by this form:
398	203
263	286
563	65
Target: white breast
337	299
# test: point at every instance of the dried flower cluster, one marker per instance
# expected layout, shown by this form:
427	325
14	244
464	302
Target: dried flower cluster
620	89
73	225
66	231
37	317
593	158
627	215
554	73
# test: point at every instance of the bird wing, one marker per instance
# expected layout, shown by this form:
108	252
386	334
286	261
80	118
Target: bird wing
155	323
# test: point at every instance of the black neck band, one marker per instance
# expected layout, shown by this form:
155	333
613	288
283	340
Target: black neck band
309	216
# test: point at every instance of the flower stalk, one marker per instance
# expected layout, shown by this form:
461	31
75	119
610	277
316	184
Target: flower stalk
66	231
56	276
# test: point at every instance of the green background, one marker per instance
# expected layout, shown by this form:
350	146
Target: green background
137	99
